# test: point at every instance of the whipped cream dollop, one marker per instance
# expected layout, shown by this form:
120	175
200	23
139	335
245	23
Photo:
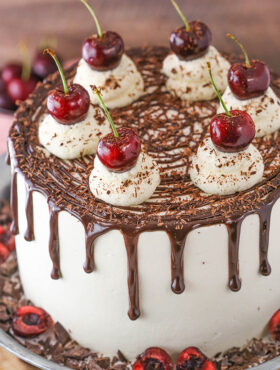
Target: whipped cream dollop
128	188
76	140
190	80
264	110
221	173
119	86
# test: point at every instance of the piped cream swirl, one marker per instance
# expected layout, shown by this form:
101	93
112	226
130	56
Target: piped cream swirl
128	188
216	172
119	86
190	80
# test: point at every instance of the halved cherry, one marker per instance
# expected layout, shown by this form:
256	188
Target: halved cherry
193	359
274	326
154	358
30	321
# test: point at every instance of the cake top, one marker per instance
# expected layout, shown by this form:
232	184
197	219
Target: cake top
170	131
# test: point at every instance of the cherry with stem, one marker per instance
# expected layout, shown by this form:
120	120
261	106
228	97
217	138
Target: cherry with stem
250	79
119	150
233	130
70	105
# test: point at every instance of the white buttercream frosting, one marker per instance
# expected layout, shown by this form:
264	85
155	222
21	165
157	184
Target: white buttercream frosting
264	110
128	188
73	141
217	172
190	80
119	86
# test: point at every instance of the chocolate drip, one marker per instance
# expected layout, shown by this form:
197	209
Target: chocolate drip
92	232
178	241
233	253
54	243
265	216
29	234
8	159
14	204
131	244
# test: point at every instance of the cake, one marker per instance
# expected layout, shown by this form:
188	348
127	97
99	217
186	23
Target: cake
119	277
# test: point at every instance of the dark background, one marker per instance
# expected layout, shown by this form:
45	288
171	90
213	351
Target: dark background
255	22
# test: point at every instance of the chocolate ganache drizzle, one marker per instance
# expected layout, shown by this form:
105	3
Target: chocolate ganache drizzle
170	131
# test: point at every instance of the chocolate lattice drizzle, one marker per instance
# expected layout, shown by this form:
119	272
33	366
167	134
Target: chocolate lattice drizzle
171	131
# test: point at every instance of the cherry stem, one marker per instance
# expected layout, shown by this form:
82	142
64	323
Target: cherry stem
247	60
26	61
98	93
99	30
217	91
181	14
53	55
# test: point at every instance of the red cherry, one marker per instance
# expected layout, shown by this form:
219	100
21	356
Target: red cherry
19	89
103	53
104	50
192	358
11	71
31	321
154	358
6	102
249	79
190	41
248	82
274	326
43	65
120	153
71	107
2	230
232	133
7	238
4	253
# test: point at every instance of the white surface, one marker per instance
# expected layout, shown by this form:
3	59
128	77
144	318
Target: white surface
119	87
264	110
93	307
73	141
128	188
216	172
190	80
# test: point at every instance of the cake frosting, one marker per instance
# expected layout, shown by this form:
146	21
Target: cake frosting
128	188
125	271
217	172
74	140
119	86
190	81
264	110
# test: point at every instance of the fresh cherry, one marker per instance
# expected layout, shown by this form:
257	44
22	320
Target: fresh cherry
43	65
119	150
70	105
11	71
193	359
104	50
7	238
20	89
6	102
274	326
233	130
4	253
31	321
249	79
190	41
153	358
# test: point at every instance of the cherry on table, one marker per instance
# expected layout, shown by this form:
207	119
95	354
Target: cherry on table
20	89
70	104
233	130
102	51
154	358
6	102
43	65
119	150
249	79
31	321
193	358
11	71
190	41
